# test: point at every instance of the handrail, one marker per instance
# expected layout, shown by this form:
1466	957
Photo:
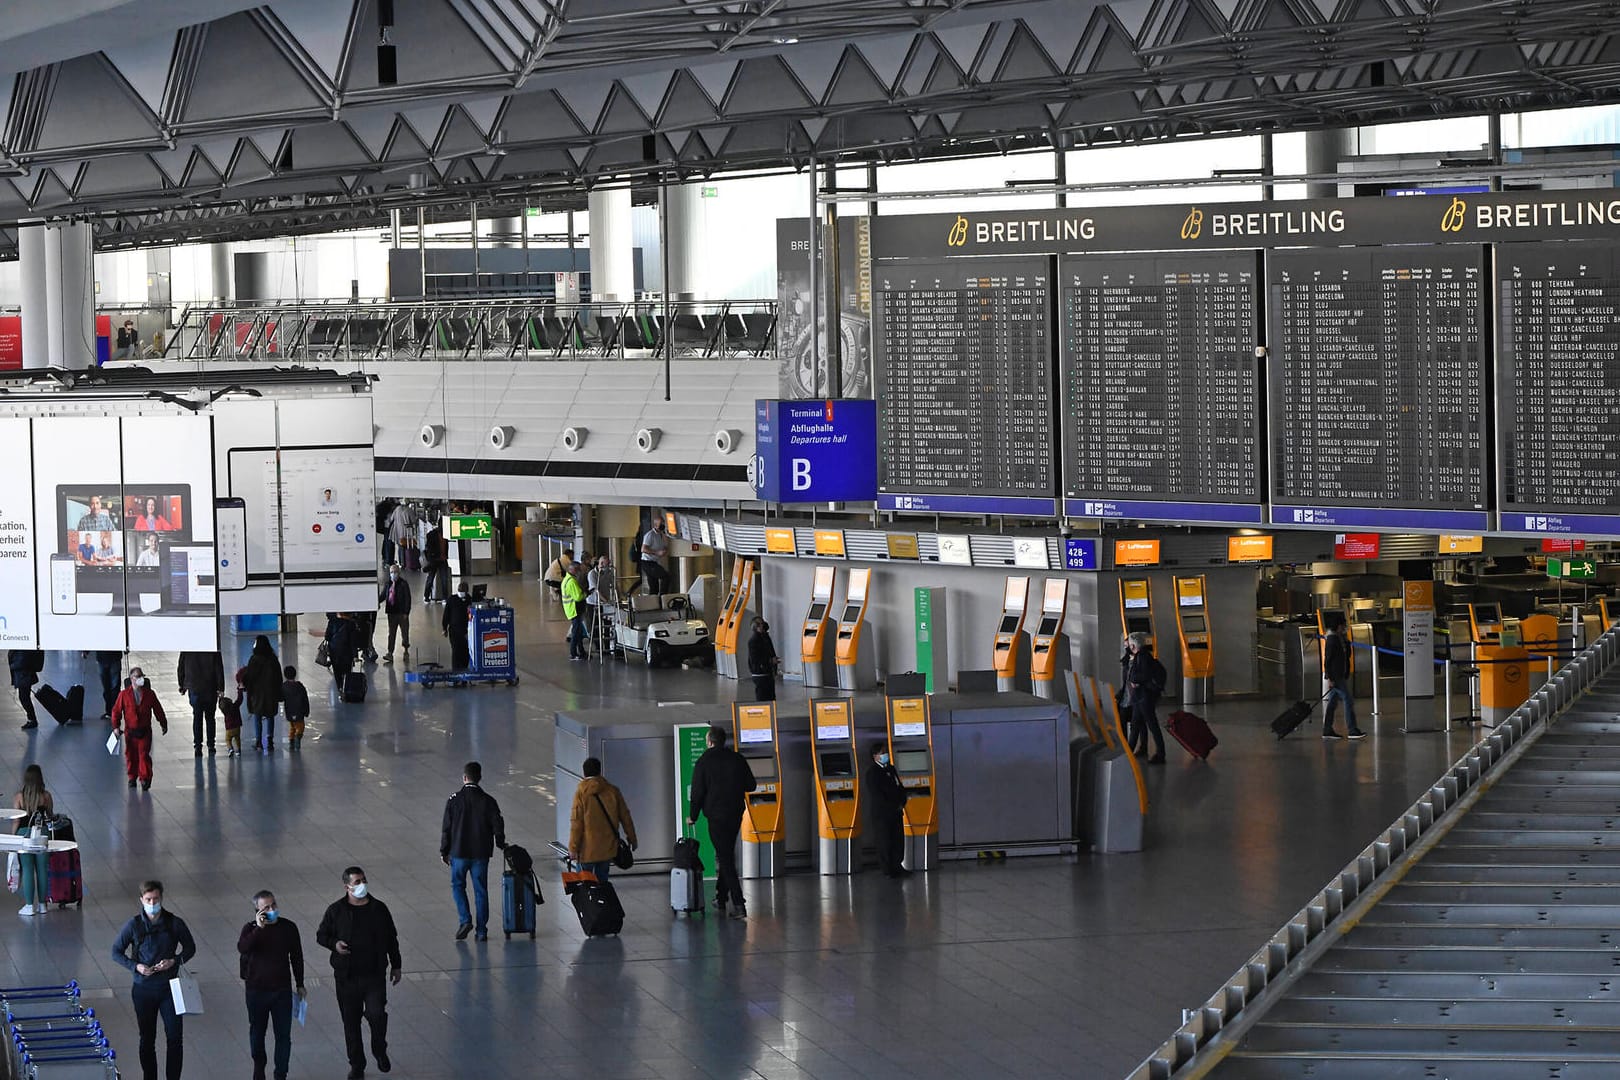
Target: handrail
1213	1030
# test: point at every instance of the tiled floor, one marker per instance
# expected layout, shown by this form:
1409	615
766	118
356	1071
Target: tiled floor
1073	967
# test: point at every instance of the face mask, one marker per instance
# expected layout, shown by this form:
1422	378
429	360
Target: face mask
138	681
359	891
392	576
270	915
152	909
883	759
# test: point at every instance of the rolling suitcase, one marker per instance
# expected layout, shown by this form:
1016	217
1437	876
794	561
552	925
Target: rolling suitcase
75	703
64	882
354	687
1293	716
1192	733
51	699
686	879
520	893
598	907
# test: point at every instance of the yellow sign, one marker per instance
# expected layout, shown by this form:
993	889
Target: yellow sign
1418	595
1189	591
1461	545
1456	213
902	545
1248	548
908	716
830	542
780	542
1193	224
1136	553
669	523
958	234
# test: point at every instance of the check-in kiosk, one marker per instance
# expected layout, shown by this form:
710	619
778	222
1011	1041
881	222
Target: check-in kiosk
728	631
817	652
1010	657
1501	660
838	793
1136	607
911	750
1603	614
1049	660
1485	622
1192	627
764	825
856	659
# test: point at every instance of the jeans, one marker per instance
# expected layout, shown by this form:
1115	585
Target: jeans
600	869
152	1002
723	835
576	636
202	716
363	995
34	869
109	672
1337	692
266	1007
479	868
264	730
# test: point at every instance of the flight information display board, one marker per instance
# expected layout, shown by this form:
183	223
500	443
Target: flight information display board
1558	388
1160	387
1376	365
963	363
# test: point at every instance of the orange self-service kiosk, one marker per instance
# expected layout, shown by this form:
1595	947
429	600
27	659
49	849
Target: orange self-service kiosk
1049	659
817	652
1193	630
1010	655
764	827
1136	607
856	659
838	786
728	630
911	749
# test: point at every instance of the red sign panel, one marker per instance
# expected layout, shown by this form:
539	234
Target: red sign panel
1355	546
1554	547
10	343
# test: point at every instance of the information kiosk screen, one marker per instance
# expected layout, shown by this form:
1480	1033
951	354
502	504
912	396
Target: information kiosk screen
1193	624
1488	614
764	767
1049	626
912	761
1009	625
837	764
852	614
817	612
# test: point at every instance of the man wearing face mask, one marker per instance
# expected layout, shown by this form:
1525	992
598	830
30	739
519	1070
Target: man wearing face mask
132	714
273	968
762	661
161	942
395	598
886	803
455	628
365	959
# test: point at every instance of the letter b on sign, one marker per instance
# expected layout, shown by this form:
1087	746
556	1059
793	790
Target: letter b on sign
801	474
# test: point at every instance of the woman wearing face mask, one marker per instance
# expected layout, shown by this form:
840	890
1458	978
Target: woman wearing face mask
132	715
886	802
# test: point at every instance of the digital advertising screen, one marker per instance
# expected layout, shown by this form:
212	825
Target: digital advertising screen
310	511
19	624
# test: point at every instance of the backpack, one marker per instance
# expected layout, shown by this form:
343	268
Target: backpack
1156	676
518	860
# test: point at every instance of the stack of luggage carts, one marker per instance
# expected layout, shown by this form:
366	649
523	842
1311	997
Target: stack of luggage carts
52	1036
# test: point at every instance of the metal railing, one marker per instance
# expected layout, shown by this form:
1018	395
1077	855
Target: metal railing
515	329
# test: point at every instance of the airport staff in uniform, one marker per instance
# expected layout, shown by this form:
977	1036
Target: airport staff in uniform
762	661
886	809
455	628
721	781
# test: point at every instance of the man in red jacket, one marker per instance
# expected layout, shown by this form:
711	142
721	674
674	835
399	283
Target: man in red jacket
132	714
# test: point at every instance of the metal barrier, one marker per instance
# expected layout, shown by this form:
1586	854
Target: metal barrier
507	329
1213	1029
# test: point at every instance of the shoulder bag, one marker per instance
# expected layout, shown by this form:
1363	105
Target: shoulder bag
623	858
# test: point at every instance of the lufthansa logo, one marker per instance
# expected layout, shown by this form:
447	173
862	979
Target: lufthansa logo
1454	216
1193	224
958	235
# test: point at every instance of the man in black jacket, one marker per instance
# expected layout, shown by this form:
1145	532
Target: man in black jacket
202	677
721	781
762	661
360	932
886	808
395	598
472	830
1336	669
273	968
455	627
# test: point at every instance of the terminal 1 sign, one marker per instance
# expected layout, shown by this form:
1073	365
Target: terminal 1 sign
815	451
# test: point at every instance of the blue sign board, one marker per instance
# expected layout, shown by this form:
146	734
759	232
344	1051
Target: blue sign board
1561	524
815	451
1370	517
1079	554
942	503
1138	510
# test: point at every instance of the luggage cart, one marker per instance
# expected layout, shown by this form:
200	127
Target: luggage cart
492	647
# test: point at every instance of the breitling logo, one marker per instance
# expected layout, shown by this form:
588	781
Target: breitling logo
1456	213
1193	224
958	234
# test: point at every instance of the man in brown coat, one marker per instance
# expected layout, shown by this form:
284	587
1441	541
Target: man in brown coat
599	814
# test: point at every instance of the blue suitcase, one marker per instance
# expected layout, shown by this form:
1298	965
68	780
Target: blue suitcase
520	894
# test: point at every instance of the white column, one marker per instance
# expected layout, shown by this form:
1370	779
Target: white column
70	296
613	268
35	306
219	261
683	207
1324	150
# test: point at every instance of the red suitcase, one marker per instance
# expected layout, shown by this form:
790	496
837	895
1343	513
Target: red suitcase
1192	733
64	883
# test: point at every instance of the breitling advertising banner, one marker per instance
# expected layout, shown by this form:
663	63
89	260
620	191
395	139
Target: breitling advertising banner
1417	219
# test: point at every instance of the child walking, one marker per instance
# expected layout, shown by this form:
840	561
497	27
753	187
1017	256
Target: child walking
295	699
231	710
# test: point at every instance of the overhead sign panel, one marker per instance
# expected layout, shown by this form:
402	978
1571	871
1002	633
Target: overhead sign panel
815	451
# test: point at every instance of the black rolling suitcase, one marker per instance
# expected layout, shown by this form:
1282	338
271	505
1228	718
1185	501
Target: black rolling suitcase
1293	716
61	708
520	893
595	902
354	687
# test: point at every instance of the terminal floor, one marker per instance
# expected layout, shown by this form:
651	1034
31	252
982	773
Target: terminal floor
1036	967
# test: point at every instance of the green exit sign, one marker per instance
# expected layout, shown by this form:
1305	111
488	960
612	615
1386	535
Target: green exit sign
1579	569
709	193
468	526
531	211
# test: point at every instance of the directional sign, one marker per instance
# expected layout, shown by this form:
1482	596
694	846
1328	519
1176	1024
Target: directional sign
1582	569
468	526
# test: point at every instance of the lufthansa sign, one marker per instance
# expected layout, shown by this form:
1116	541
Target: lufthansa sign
1467	218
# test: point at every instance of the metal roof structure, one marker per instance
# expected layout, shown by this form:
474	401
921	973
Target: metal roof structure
214	119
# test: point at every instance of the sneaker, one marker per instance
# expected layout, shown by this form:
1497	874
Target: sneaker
146	785
739	912
1329	733
27	909
30	724
482	935
1358	734
132	783
463	930
389	659
383	1064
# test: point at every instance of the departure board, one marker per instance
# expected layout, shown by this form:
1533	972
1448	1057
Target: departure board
1376	367
1160	387
1558	388
964	386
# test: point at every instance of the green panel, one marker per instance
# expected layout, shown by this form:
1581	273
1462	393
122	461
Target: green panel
690	742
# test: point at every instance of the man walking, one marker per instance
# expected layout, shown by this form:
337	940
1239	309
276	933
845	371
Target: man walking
472	830
273	969
137	706
396	602
202	678
886	798
365	958
1336	669
160	942
573	603
721	781
109	668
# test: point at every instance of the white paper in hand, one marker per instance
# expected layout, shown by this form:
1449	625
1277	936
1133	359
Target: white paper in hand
301	1008
112	743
